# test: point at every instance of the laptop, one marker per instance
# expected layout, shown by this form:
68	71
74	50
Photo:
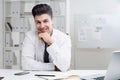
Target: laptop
113	71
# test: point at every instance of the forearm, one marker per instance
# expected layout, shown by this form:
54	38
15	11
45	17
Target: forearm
61	56
30	64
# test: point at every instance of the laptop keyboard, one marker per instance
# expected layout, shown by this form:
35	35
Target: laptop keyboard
99	78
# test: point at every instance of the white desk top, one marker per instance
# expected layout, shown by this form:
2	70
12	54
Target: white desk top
8	74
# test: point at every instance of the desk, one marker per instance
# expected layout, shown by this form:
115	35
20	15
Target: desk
8	74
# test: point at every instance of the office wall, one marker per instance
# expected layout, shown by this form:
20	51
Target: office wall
82	58
1	33
91	58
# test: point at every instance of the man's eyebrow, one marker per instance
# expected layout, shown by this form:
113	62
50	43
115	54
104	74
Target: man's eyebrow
45	20
37	21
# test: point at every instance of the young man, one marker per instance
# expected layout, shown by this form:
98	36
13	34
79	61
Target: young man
58	44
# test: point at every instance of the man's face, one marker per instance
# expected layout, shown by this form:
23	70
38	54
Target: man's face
43	23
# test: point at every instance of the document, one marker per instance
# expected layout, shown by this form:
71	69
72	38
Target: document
58	76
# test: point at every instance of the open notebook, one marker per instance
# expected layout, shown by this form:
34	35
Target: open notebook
113	71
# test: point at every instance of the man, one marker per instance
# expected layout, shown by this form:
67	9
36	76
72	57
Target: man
58	43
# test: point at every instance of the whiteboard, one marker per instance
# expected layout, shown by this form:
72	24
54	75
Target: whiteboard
97	31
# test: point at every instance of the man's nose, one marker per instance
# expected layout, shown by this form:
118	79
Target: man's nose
42	25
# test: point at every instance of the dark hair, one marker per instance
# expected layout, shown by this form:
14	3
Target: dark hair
40	9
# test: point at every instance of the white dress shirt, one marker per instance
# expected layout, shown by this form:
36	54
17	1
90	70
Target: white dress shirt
59	52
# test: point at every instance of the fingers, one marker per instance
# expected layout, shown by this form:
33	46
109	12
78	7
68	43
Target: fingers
46	38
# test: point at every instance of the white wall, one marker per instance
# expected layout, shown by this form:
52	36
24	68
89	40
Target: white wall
91	58
84	58
1	33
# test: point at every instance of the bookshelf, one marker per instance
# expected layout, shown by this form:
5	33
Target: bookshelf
1	34
18	20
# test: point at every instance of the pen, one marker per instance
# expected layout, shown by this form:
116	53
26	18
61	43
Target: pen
21	73
1	77
44	75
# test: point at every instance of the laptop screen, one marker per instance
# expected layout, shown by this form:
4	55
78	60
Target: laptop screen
113	72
